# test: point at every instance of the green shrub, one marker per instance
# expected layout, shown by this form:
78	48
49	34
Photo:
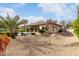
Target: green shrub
75	26
2	33
42	31
9	34
23	30
76	31
12	35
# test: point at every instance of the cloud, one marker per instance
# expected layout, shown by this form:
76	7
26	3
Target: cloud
33	19
18	5
61	11
5	11
56	8
22	4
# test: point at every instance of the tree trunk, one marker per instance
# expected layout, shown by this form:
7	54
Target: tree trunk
12	34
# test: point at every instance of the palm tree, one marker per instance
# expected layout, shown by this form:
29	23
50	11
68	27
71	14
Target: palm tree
24	21
10	24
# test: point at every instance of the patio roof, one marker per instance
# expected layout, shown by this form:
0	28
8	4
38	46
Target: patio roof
41	23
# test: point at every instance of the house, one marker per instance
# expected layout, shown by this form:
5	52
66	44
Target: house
50	26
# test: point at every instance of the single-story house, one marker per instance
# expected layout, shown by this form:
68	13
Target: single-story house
49	26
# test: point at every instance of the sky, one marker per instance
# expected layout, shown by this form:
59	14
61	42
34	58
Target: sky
34	12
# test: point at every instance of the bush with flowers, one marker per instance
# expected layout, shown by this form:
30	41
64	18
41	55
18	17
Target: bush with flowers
4	41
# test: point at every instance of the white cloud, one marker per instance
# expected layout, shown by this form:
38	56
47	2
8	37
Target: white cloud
66	11
5	11
18	5
56	8
22	4
33	19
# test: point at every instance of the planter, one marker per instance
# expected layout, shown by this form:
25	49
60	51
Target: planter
33	33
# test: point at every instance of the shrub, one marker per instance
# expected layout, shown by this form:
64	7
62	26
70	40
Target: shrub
23	30
4	41
75	26
76	31
8	34
42	31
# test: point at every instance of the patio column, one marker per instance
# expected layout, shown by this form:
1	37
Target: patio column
29	29
33	29
37	29
50	28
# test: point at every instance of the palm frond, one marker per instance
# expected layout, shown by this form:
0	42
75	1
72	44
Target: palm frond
10	23
16	18
21	22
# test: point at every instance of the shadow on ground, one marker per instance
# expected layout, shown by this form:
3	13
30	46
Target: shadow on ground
65	33
72	44
33	46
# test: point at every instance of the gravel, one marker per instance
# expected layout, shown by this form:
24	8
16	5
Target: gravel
60	46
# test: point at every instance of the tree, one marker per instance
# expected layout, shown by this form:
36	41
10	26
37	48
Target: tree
75	23
63	23
69	24
24	21
10	24
50	20
75	26
77	10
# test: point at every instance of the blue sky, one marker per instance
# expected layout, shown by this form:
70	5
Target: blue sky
40	11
